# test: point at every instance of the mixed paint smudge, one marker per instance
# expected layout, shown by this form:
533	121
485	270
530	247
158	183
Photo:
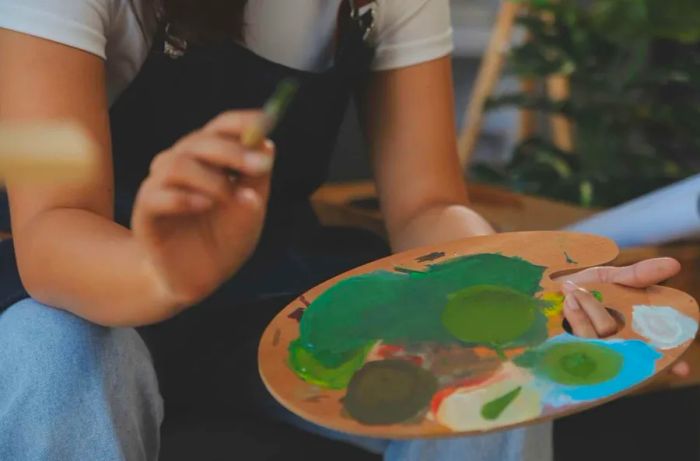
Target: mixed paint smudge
465	343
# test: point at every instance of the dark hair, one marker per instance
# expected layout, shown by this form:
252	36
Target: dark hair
204	20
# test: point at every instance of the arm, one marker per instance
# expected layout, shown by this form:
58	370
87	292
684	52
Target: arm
409	119
70	253
59	231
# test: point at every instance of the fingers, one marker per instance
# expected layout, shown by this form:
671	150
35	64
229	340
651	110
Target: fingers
646	273
681	369
578	319
639	275
196	173
224	153
186	172
597	316
158	201
233	123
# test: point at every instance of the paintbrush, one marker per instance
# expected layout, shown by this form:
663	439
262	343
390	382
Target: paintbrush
46	151
273	111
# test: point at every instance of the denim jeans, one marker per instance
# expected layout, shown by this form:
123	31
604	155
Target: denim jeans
71	390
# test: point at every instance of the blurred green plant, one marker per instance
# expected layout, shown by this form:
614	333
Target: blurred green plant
634	73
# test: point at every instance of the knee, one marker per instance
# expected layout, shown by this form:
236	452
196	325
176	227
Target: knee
77	381
47	345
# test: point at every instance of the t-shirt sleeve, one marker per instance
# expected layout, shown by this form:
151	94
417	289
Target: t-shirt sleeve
81	24
411	32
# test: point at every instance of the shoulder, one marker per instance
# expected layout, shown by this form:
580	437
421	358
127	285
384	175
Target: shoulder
83	24
412	31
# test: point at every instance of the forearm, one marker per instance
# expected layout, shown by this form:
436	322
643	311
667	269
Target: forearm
84	263
437	224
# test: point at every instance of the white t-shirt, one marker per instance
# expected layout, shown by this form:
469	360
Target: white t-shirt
296	33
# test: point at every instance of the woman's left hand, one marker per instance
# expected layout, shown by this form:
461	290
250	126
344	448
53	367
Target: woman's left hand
589	318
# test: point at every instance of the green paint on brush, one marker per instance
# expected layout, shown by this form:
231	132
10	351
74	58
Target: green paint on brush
334	376
574	363
401	308
494	316
389	392
493	409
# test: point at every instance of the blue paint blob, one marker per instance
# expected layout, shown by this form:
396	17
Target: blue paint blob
639	364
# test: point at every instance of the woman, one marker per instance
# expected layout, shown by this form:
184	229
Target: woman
150	235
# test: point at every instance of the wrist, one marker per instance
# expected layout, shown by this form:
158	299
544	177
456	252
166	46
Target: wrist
166	300
440	224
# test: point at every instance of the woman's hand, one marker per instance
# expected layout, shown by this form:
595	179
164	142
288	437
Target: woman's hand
589	318
196	222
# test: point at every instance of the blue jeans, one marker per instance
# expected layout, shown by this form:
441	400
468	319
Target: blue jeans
71	390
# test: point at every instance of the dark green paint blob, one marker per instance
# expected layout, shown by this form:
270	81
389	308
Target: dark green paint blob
493	409
389	392
574	363
398	308
569	260
403	308
335	376
494	316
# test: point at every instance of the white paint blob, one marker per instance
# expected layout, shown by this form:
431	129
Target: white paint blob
462	410
663	326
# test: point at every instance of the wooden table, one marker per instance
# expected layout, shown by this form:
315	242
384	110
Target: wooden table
354	204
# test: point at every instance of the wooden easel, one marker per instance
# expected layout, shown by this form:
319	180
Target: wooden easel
490	73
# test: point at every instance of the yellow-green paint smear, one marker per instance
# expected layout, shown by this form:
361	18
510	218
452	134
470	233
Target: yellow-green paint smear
313	371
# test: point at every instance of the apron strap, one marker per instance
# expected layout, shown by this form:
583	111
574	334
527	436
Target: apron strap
362	12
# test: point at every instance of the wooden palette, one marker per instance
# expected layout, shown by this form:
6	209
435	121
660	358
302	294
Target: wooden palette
465	338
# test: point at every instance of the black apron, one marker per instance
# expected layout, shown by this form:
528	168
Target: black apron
206	357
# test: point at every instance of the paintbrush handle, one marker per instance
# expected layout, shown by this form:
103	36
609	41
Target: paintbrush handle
45	151
273	111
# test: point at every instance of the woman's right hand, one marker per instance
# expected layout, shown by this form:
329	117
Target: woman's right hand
198	226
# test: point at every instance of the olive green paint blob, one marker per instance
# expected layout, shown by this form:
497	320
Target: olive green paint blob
493	409
389	392
309	368
575	363
403	307
494	316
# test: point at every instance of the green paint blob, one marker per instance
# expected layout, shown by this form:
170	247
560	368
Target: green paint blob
313	371
389	392
493	409
493	316
401	308
579	363
597	295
